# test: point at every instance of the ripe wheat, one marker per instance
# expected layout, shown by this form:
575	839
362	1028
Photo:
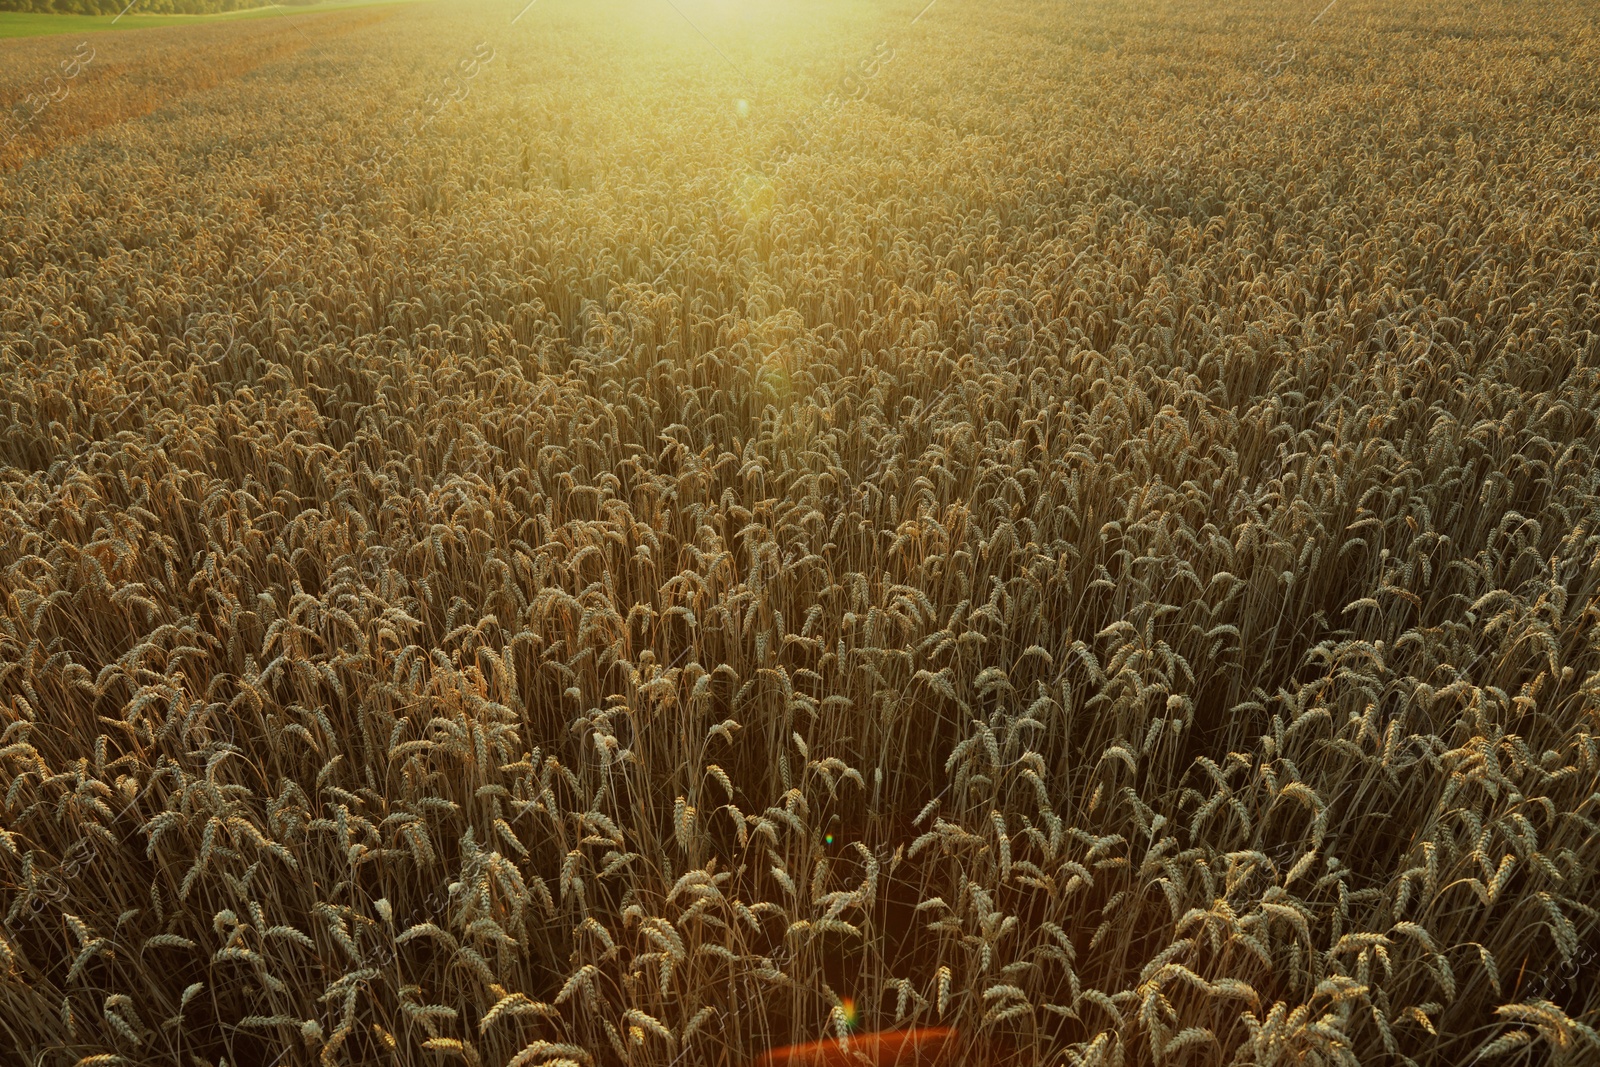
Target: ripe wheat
1098	560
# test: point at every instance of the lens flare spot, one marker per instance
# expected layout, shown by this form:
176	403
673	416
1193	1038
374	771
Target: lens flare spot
754	195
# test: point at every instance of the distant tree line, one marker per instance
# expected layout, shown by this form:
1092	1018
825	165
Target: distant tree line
144	7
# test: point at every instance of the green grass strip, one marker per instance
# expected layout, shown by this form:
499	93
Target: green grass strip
43	24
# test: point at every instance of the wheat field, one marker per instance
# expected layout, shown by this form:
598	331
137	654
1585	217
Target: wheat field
642	532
